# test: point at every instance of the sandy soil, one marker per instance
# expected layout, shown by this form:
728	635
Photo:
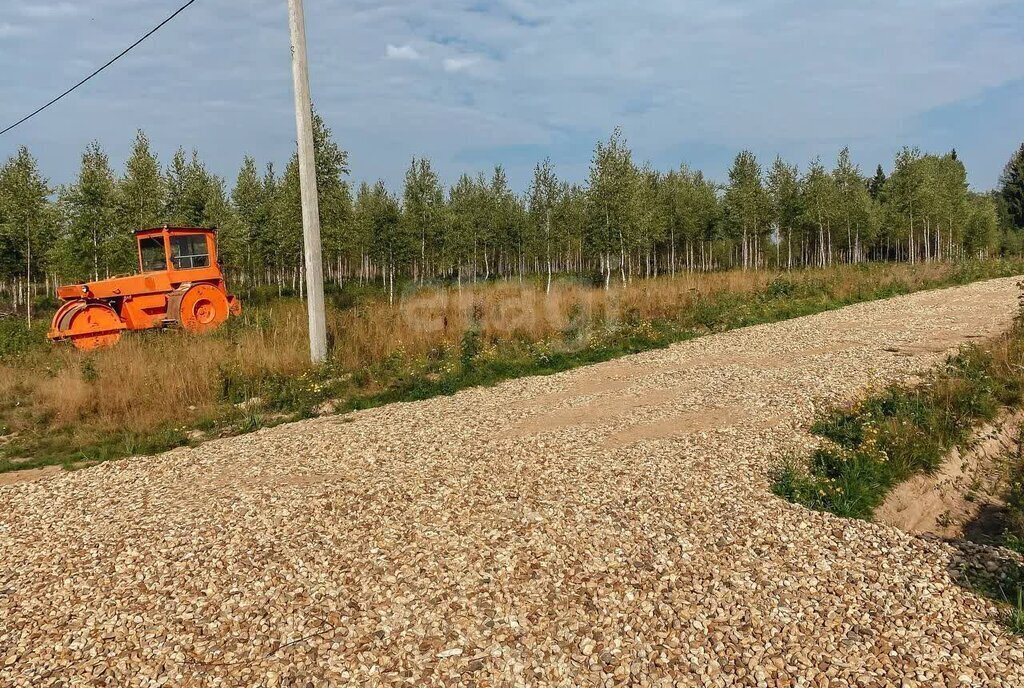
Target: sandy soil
965	485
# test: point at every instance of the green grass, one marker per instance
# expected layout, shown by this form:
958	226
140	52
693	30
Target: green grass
1015	499
1004	586
1015	618
55	449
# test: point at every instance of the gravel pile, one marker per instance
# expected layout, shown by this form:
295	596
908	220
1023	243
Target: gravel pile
606	526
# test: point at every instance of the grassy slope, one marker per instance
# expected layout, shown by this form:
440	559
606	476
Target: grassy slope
887	438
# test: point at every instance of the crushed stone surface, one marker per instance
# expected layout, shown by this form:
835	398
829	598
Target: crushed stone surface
611	525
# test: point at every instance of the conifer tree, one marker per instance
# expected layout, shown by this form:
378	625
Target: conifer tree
1011	188
876	183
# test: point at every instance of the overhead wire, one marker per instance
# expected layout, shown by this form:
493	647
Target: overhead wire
110	62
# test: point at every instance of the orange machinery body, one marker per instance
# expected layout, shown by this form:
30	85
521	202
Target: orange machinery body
180	284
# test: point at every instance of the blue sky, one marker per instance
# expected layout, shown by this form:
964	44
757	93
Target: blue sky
471	83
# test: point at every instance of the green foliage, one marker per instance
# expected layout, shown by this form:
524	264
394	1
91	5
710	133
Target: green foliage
56	448
1015	617
746	207
251	420
876	184
276	392
469	348
17	338
476	360
141	193
423	210
26	218
93	243
89	373
1015	504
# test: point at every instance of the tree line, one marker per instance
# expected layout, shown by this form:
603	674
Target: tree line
626	221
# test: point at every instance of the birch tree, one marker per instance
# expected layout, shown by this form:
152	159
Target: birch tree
543	201
26	217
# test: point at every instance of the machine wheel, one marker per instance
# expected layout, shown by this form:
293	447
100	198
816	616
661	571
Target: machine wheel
202	308
62	318
91	326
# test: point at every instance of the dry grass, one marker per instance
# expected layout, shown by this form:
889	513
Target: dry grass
428	319
157	379
148	380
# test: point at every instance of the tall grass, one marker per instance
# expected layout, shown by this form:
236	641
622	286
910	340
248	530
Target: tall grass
148	392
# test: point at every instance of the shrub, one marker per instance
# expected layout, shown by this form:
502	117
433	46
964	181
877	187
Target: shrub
16	337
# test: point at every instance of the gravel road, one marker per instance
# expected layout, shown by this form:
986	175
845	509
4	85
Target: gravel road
605	526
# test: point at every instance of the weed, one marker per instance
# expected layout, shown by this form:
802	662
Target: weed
251	421
1004	585
1015	618
16	337
89	373
888	437
470	348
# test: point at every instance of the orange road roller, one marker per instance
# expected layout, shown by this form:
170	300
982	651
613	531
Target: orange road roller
180	285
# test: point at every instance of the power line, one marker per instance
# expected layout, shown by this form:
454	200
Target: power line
112	61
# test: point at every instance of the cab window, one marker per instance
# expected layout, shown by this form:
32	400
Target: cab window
154	257
189	251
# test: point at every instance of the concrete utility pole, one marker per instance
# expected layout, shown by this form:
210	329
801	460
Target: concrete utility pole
307	181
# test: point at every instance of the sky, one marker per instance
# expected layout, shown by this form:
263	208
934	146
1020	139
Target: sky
474	83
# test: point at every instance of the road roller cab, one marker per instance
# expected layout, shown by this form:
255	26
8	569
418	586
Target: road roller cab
180	284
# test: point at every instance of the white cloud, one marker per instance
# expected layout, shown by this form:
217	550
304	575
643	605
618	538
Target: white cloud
459	64
516	80
46	10
402	52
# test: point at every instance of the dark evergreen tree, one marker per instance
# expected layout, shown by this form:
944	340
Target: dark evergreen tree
876	184
1011	188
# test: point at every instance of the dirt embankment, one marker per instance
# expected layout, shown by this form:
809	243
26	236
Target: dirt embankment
963	495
